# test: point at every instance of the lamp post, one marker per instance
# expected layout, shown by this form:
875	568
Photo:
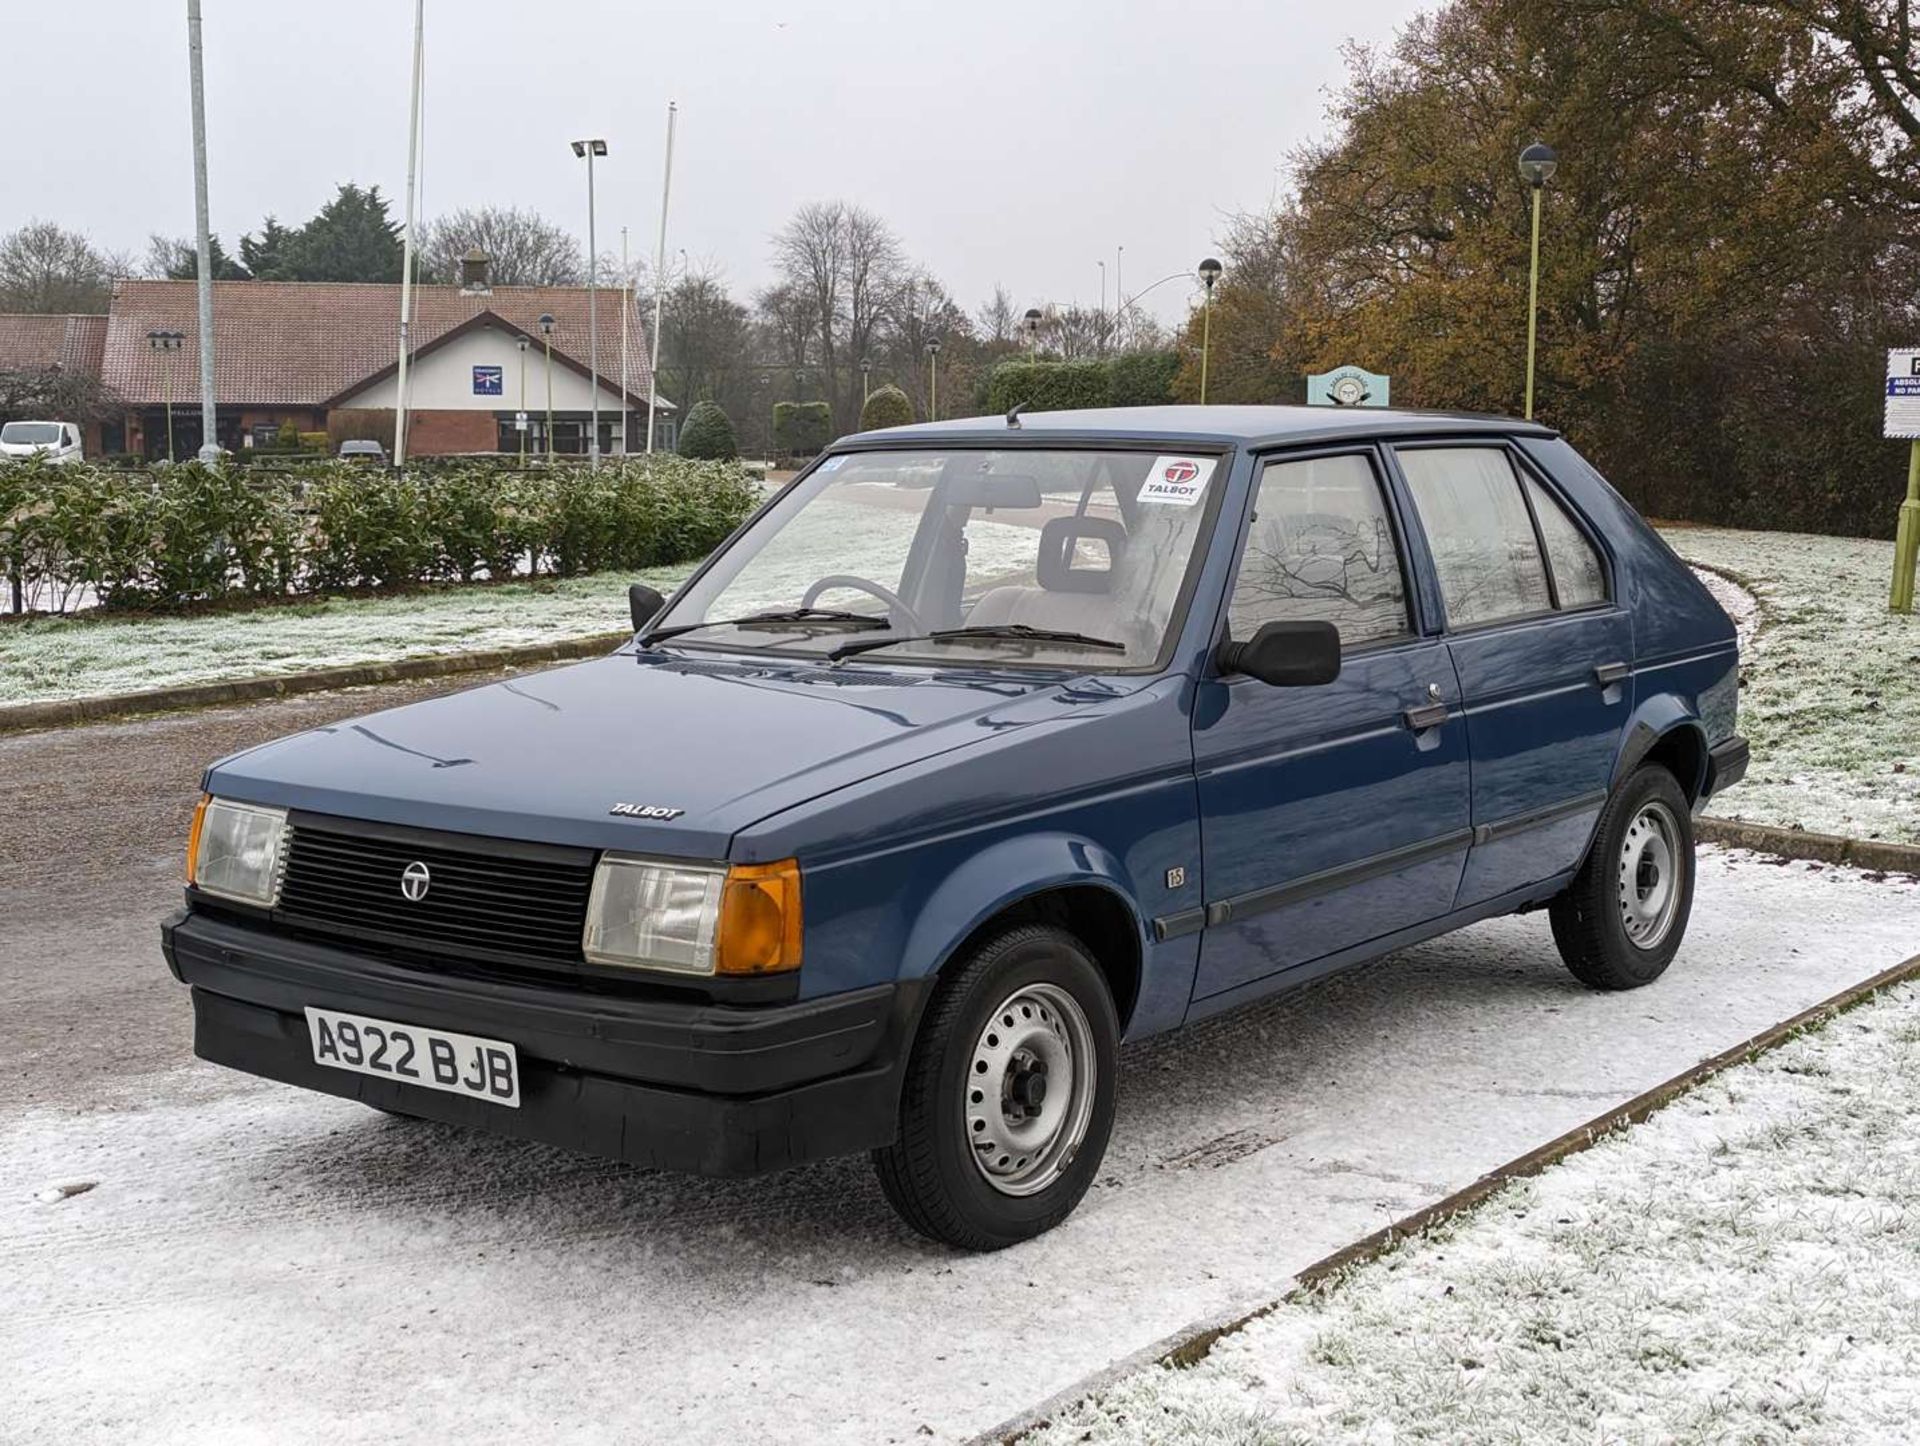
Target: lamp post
765	386
1537	165
588	150
933	379
866	383
1209	273
522	343
167	342
1033	333
546	330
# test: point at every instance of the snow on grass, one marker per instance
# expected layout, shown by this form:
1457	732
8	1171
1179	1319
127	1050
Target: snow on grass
50	658
1831	684
1743	1266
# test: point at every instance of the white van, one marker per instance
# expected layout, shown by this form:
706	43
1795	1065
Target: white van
55	441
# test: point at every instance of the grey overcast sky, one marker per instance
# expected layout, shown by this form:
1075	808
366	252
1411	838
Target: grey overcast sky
1017	143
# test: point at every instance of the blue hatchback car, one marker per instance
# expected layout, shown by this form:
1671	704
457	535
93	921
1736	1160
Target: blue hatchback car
982	747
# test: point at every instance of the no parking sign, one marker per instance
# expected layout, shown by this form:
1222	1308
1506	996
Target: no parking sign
1903	394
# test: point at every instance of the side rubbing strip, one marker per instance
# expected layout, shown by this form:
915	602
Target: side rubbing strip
1243	906
1172	926
1520	822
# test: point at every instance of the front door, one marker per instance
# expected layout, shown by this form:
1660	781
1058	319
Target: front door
1543	652
1337	814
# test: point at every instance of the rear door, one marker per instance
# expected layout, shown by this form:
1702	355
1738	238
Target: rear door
1542	650
1336	814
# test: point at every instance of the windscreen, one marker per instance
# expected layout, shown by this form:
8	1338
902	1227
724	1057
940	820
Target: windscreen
1063	557
37	433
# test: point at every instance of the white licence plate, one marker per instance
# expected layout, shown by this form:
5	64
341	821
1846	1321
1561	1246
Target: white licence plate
435	1059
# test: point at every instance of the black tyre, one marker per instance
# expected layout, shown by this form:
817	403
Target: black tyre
1008	1098
1621	919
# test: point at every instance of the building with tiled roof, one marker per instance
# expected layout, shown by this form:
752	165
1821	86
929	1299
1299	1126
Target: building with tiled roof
323	356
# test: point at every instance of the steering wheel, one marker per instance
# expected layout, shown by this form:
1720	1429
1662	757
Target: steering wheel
896	605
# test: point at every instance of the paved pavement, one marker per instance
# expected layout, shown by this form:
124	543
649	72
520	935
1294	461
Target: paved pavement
258	1263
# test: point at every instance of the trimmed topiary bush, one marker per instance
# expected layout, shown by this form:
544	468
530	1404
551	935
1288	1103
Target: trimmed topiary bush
801	428
707	434
887	407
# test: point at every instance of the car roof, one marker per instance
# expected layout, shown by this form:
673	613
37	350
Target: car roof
1191	425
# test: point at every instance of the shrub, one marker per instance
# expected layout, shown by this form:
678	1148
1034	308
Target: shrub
801	428
312	441
1047	386
707	434
887	407
169	536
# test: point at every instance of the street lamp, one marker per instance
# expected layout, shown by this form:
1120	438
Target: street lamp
1033	332
1209	273
933	379
520	421
588	150
866	386
1103	303
1537	164
169	342
546	330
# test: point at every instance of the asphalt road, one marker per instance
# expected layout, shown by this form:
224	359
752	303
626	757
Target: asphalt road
253	1262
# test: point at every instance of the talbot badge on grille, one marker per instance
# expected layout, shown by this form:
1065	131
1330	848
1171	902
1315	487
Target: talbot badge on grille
415	880
645	810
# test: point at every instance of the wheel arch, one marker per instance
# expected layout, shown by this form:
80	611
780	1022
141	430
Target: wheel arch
1664	731
1068	882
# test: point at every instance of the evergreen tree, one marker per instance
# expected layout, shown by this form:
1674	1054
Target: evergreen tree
350	239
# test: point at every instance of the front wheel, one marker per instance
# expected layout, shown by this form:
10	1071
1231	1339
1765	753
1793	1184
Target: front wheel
1008	1099
1620	921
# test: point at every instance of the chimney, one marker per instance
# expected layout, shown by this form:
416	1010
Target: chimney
473	273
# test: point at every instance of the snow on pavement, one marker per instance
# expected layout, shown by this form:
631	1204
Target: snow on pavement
258	1262
1744	1266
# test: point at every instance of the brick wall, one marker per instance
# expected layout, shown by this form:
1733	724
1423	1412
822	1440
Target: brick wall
429	433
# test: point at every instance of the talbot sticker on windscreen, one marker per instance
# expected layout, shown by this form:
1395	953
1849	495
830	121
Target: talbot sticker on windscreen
1177	481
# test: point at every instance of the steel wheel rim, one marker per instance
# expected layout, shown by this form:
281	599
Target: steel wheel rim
1020	1144
1649	876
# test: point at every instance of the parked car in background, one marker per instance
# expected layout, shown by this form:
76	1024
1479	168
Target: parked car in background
52	441
363	451
984	746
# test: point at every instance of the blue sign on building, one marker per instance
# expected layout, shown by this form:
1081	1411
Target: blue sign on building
488	381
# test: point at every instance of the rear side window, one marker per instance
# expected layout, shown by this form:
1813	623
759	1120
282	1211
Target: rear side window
1484	549
1320	549
1577	575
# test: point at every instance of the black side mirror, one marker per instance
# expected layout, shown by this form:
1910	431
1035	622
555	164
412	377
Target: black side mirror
644	604
1287	655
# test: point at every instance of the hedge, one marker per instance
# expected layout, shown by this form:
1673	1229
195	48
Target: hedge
887	407
173	536
708	434
1133	379
801	428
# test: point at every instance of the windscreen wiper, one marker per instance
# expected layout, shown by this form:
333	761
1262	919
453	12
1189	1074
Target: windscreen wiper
830	617
1002	632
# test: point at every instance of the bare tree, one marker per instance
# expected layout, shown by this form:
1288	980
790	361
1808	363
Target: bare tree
45	268
846	263
524	248
704	339
999	320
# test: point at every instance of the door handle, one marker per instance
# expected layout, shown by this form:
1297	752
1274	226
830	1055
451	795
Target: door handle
1607	674
1427	715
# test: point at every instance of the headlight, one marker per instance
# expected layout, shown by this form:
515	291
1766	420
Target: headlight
694	919
235	851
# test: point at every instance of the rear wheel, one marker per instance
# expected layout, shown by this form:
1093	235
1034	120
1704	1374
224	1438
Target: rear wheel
1620	921
1008	1099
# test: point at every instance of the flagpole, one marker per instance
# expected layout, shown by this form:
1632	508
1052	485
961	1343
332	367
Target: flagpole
626	305
407	246
660	282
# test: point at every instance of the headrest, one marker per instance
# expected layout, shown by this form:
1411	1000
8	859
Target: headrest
1062	569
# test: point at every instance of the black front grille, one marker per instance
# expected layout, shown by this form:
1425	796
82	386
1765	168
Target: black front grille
503	901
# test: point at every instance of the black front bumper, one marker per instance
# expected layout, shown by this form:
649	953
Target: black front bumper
706	1088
